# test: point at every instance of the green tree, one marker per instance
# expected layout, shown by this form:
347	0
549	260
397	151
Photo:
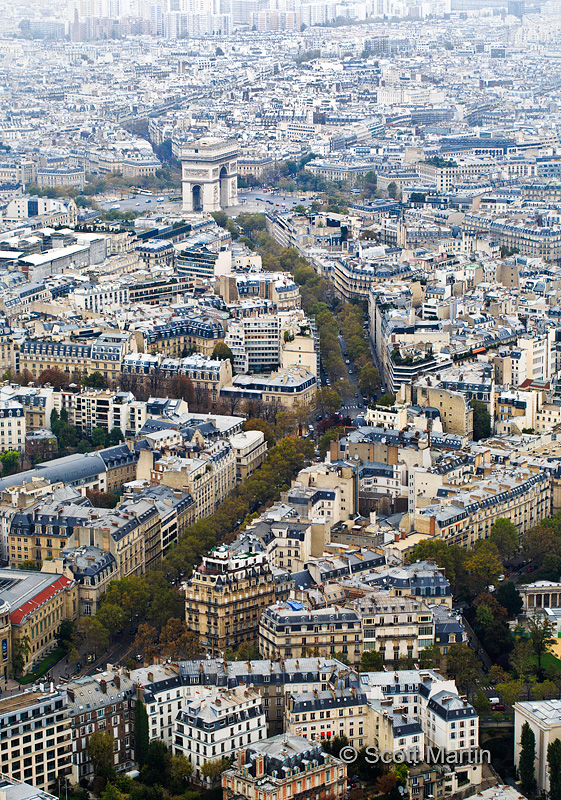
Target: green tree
222	352
112	617
369	380
511	691
371	661
212	770
451	558
116	436
541	631
94	381
10	462
509	597
92	635
481	420
526	764
521	659
157	768
327	400
220	217
387	400
505	536
99	437
180	770
141	733
100	750
392	190
65	633
462	664
329	436
21	649
481	703
30	566
554	767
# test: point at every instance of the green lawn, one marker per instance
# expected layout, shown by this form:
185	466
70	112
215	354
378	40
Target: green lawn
548	659
45	665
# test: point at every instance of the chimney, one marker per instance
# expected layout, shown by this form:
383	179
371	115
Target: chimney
259	766
241	758
103	685
117	681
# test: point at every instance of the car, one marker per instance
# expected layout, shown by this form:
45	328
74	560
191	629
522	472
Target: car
148	201
91	658
501	577
360	405
356	394
319	417
140	657
160	199
134	631
347	361
137	204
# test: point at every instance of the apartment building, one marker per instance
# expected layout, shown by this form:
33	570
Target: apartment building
289	629
432	702
91	568
288	388
206	374
255	343
218	723
13	429
424	580
104	702
37	402
101	408
225	596
397	627
250	450
6	346
522	495
36	737
320	715
98	298
181	336
530	238
131	533
207	480
104	355
260	769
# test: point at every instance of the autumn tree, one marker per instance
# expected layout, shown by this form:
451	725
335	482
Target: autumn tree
55	377
146	642
483	565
